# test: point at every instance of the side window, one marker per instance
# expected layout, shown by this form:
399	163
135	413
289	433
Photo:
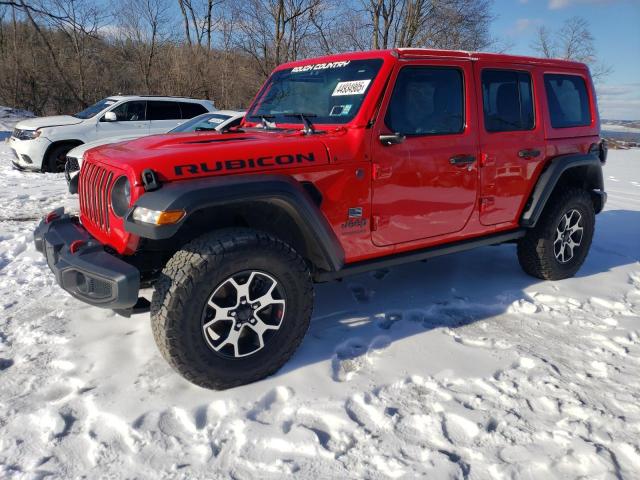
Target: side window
157	110
190	110
131	111
427	101
507	101
567	100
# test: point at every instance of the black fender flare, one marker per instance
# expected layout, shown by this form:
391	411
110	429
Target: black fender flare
549	178
277	190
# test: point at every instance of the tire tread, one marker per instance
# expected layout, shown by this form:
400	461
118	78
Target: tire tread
205	254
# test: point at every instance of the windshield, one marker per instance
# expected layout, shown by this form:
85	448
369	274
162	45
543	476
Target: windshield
201	123
95	109
325	92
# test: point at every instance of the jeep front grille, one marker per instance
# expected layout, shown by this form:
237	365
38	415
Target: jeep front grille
94	190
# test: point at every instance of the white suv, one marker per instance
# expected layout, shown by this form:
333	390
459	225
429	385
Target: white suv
42	143
219	121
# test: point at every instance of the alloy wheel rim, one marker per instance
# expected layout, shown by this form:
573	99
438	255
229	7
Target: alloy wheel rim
243	313
568	236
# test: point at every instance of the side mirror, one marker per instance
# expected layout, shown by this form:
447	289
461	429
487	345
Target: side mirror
110	117
393	139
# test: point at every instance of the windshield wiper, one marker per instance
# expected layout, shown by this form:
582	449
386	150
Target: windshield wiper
264	120
308	126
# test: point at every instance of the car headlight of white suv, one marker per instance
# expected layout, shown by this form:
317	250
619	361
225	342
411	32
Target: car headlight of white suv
26	134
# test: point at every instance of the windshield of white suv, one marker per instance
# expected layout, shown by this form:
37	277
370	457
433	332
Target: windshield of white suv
323	92
95	109
204	122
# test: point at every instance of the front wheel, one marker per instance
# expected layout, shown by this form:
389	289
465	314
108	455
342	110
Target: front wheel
558	245
231	307
56	158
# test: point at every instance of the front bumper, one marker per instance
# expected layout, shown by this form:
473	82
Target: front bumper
29	153
90	274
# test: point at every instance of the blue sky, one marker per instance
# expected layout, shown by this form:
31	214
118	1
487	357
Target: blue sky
615	25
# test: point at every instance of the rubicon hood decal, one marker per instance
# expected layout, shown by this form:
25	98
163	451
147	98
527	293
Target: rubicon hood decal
190	155
241	164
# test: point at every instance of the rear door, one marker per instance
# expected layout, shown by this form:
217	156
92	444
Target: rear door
511	139
426	185
163	115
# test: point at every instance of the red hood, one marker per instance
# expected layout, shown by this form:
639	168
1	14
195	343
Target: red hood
188	155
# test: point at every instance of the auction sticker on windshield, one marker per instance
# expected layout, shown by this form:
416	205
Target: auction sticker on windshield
353	87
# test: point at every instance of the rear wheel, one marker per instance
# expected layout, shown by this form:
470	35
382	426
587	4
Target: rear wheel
558	245
57	158
231	307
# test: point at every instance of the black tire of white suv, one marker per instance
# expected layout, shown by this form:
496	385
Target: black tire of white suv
57	158
231	307
557	246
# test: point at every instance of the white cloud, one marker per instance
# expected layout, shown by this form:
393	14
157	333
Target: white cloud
522	25
558	4
619	102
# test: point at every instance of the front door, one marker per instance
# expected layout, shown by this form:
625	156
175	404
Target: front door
130	120
511	140
425	179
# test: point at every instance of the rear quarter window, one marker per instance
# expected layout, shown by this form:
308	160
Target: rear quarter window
567	100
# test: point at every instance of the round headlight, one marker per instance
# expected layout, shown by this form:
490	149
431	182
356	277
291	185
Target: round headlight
121	196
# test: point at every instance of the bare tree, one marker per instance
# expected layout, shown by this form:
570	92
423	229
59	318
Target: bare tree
143	26
453	24
59	55
573	41
275	31
199	21
78	20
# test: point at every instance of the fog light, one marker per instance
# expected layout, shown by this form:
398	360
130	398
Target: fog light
157	217
81	283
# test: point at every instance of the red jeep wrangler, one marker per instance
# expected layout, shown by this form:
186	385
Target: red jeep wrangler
343	164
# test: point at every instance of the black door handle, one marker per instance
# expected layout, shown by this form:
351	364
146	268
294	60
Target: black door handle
393	139
462	160
529	153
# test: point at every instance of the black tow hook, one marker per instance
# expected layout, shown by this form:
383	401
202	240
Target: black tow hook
150	180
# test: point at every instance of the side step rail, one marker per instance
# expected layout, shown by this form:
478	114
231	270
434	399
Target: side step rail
414	256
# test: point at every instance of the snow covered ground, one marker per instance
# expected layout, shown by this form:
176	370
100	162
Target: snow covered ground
462	367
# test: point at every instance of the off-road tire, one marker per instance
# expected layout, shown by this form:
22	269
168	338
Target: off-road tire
57	158
536	249
189	279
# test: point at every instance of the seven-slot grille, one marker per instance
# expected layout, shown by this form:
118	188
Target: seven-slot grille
94	190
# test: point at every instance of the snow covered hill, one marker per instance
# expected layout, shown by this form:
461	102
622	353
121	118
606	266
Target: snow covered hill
461	367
